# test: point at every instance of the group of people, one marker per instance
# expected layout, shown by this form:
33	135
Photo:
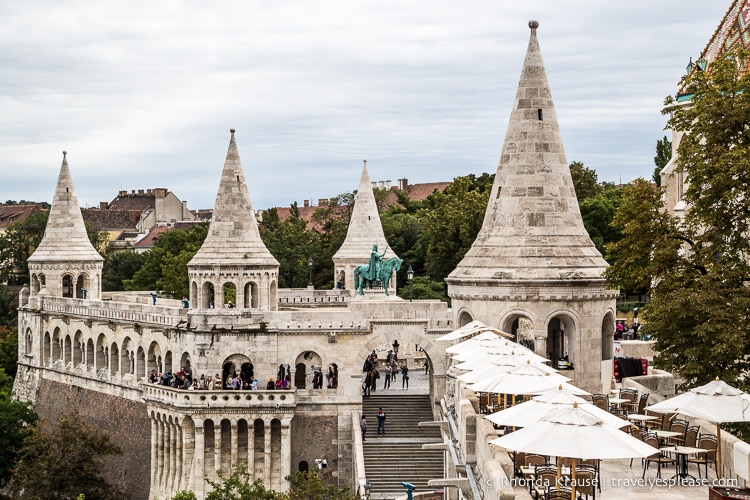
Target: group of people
625	331
390	371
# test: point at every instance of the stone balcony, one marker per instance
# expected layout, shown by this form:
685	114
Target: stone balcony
229	401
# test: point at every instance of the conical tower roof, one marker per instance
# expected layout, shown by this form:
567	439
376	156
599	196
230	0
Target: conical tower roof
365	229
233	236
532	229
65	238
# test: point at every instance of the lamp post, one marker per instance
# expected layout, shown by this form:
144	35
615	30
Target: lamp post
395	346
410	279
309	265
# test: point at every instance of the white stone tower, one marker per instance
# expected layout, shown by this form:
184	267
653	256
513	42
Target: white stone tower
533	270
233	258
365	230
66	264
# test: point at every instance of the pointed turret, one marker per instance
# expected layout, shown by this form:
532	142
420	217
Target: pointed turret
66	242
365	230
533	270
532	228
233	251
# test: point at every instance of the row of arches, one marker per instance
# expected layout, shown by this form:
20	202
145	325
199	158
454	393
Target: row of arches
252	292
74	286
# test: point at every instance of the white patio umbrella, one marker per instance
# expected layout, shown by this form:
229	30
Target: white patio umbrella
473	328
535	409
485	338
520	381
717	402
572	432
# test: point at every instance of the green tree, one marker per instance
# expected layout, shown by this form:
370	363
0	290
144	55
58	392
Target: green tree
120	267
598	212
310	486
238	485
662	157
62	460
8	307
18	243
585	181
452	221
15	420
163	268
9	350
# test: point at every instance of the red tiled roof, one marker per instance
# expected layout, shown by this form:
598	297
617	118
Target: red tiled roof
16	213
417	192
111	219
151	237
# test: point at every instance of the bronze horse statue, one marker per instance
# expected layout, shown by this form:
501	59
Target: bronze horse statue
386	268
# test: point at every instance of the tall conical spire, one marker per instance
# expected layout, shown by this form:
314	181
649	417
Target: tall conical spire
532	229
365	229
233	235
65	238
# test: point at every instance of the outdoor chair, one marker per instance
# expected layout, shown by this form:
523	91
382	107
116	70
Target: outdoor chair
593	462
619	412
691	436
658	458
678	425
638	434
558	493
601	401
666	421
532	459
586	479
632	396
546	477
518	462
707	442
643	403
654	424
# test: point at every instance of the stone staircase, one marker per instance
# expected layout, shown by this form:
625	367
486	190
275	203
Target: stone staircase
398	456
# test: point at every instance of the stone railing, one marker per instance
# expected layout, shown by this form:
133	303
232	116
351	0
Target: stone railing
303	297
111	311
223	400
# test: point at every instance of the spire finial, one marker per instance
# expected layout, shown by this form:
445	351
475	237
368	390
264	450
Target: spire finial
231	130
365	160
533	24
65	153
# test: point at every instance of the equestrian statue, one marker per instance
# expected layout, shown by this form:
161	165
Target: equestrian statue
377	271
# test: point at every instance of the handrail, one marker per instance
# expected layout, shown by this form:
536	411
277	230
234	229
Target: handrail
359	457
454	456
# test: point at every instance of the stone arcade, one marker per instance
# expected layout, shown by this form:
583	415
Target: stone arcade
533	270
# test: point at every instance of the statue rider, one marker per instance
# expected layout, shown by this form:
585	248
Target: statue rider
375	263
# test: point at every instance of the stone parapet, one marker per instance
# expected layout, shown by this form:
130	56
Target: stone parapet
282	401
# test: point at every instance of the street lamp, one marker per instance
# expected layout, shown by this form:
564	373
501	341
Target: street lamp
410	279
309	264
395	346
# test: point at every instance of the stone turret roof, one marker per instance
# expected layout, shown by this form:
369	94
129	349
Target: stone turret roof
233	236
365	228
65	238
532	229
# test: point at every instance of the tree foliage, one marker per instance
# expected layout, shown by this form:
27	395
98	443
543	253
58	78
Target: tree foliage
120	267
62	460
165	267
662	157
585	181
16	419
9	350
697	269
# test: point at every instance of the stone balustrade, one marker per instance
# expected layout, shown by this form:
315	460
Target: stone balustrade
277	400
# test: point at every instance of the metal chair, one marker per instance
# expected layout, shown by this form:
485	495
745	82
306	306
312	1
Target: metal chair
643	403
601	401
632	396
691	435
659	458
586	480
707	442
678	425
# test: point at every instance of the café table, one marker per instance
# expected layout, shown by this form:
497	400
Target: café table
662	435
618	401
642	419
681	453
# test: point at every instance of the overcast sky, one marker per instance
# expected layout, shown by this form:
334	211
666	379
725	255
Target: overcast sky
142	94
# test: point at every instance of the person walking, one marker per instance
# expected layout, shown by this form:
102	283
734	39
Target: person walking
363	427
404	376
381	422
387	378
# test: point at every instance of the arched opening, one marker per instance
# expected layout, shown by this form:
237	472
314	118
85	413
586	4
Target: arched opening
283	377
114	359
209	442
230	295
154	358
251	295
226	445
56	346
194	293
276	453
68	351
259	447
303	466
126	358
560	342
67	286
29	344
140	364
207	295
101	352
89	355
464	319
230	367
47	349
332	377
341	281
36	283
168	367
242	428
247	373
273	299
78	349
80	287
300	375
185	364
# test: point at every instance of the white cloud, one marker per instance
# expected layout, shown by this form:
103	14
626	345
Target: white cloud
142	94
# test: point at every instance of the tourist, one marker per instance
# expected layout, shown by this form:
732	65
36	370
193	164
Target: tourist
363	427
426	366
270	385
254	384
185	302
381	421
387	378
404	376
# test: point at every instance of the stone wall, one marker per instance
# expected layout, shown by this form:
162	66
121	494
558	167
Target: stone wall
312	439
125	421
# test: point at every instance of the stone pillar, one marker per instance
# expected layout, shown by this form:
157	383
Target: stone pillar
179	457
235	429
251	447
160	455
154	451
217	447
286	453
267	452
172	456
196	481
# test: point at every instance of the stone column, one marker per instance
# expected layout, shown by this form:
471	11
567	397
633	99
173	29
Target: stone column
179	457
217	447
286	453
196	480
233	456
267	452
160	455
251	447
171	478
154	451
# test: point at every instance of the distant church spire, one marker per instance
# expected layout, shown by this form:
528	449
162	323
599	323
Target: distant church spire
233	235
532	228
